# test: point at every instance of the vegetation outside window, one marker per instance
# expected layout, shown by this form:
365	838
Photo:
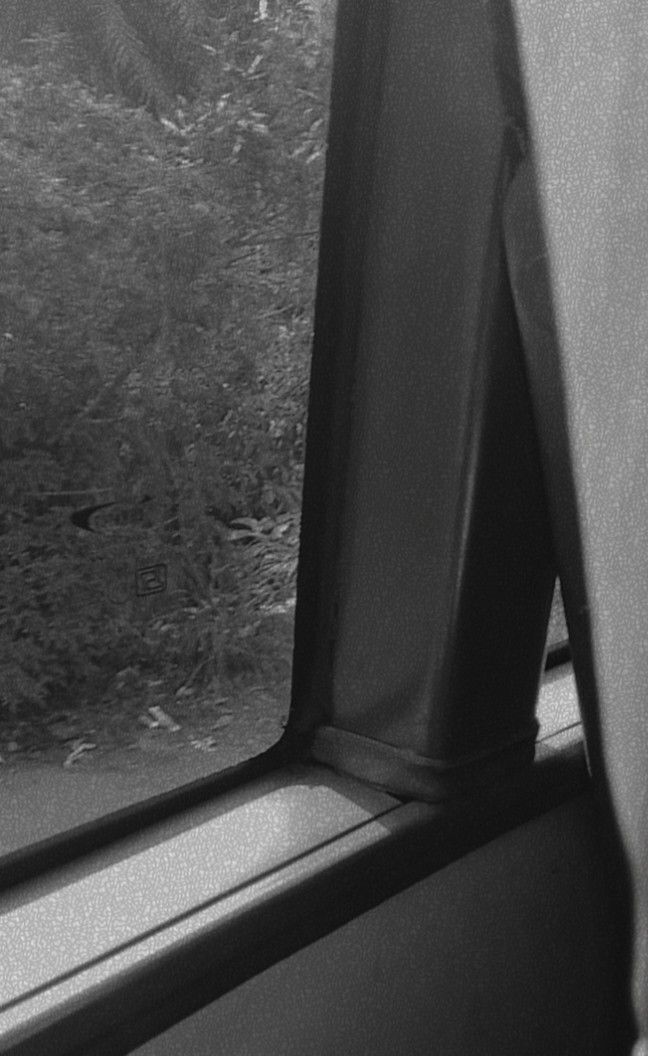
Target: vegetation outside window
160	198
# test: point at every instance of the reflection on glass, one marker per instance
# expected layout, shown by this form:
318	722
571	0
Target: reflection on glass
159	211
557	634
557	708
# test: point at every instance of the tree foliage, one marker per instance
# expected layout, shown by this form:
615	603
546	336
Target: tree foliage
156	284
150	51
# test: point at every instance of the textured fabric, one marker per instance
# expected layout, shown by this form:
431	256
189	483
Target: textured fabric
577	242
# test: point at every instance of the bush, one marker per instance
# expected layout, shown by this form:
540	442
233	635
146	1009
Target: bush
156	284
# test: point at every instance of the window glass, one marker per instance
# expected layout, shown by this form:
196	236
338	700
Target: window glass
557	634
558	711
159	207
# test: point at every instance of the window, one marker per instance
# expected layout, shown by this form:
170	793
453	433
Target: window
159	262
160	214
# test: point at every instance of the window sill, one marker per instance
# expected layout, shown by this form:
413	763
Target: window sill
116	947
92	925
